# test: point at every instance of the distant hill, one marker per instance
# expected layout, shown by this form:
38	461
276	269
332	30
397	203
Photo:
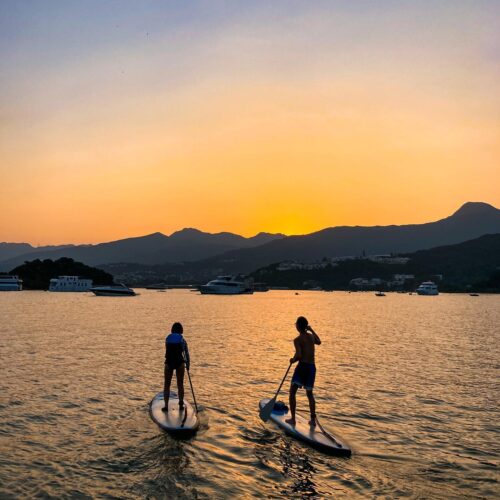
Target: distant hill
36	275
210	254
157	248
471	265
11	250
470	221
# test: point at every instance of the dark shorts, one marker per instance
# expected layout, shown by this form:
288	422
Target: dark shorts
304	375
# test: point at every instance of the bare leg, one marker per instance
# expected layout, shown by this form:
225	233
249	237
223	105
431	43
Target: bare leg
312	406
180	384
166	386
293	403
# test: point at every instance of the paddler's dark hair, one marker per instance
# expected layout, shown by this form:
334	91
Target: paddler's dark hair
301	323
177	328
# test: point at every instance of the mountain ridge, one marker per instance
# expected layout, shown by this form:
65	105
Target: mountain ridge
230	252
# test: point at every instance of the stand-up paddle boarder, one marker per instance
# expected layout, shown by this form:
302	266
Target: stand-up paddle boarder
305	372
176	358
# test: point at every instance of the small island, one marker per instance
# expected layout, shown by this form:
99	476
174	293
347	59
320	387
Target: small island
36	274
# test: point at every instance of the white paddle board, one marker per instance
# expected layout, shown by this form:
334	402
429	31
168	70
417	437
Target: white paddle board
176	421
311	435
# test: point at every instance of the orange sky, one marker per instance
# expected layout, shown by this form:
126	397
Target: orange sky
268	120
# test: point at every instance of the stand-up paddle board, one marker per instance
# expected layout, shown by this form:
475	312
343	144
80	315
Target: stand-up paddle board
176	421
314	436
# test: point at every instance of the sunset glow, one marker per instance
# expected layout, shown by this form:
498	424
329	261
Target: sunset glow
128	118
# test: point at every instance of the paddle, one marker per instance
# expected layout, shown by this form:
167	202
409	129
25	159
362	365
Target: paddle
266	411
327	434
192	390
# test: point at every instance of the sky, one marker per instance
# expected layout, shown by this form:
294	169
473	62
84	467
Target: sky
123	118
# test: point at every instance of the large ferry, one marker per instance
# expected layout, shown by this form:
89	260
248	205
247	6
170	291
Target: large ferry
69	284
428	288
227	285
10	283
112	290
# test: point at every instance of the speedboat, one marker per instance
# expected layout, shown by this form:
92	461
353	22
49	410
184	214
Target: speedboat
428	288
9	283
227	285
120	290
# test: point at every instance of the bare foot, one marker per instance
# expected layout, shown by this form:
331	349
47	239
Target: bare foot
290	421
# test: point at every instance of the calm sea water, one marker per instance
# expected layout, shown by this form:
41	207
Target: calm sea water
412	384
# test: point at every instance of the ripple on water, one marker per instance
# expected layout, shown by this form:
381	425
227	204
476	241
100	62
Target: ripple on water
76	423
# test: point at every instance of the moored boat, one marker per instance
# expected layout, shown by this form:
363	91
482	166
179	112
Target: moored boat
10	283
69	284
112	291
227	285
428	288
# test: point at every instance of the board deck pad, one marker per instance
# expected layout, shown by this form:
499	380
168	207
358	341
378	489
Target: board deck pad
176	421
311	435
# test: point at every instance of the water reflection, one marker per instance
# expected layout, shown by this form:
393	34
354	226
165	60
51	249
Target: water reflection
410	383
297	466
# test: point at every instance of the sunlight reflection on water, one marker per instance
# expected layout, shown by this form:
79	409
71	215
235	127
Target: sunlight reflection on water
410	382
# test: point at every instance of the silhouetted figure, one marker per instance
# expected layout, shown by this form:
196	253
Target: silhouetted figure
305	372
176	358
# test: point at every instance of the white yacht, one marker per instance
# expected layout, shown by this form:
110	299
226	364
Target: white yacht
112	290
9	283
69	284
428	288
227	285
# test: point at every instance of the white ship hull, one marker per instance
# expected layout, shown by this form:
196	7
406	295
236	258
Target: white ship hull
427	292
10	288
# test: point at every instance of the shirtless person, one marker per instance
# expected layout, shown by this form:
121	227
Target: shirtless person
305	372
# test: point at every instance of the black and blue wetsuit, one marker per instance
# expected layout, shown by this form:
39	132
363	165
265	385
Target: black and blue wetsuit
176	351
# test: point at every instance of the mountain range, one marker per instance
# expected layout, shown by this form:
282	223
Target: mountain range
182	246
204	253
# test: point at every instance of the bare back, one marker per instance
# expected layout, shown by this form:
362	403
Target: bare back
304	343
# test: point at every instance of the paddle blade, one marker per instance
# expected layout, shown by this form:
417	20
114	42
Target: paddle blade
265	411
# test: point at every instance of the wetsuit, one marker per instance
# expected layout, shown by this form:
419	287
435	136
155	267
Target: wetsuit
176	351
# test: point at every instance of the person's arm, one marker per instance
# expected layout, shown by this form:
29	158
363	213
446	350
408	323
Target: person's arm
317	340
186	354
298	351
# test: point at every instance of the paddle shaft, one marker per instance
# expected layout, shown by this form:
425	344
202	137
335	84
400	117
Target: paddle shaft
192	390
326	433
283	381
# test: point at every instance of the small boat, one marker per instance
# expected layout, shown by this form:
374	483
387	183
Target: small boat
10	283
428	288
380	294
474	294
112	291
317	437
227	285
175	421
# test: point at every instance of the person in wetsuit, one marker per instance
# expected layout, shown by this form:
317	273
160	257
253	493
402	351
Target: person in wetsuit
305	372
176	358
